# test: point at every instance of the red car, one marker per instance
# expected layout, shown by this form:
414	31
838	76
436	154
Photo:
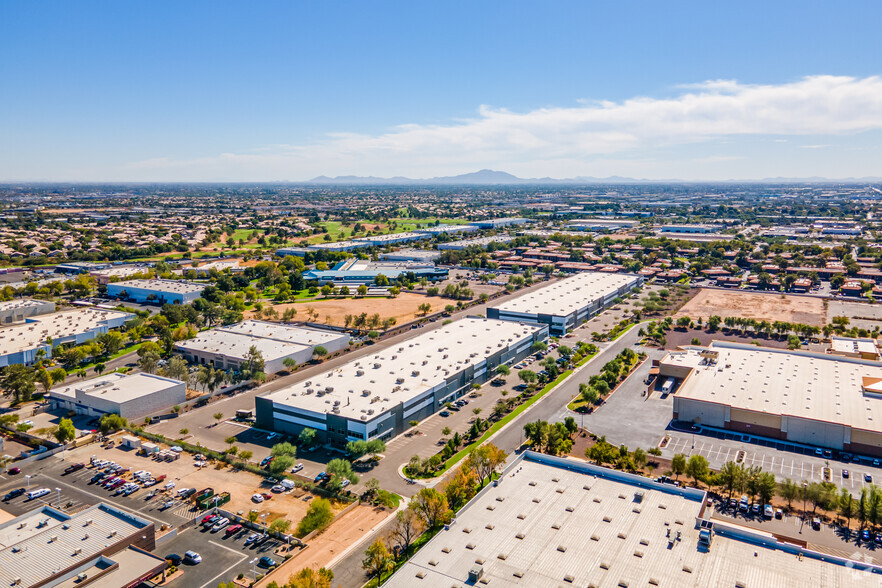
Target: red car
266	496
233	529
14	471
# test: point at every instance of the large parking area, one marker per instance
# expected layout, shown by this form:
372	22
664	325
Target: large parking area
785	460
224	556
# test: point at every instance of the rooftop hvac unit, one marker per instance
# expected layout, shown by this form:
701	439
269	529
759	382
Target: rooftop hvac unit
359	372
370	411
329	389
415	373
310	390
377	366
399	380
365	392
77	551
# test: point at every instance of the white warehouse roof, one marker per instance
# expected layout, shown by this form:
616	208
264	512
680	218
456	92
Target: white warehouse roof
375	383
568	295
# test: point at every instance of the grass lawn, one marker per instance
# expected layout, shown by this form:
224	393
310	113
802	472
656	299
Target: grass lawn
120	353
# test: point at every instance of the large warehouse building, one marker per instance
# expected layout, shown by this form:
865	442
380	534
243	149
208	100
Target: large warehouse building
566	304
161	291
17	311
378	395
100	546
811	398
132	396
20	343
550	522
227	347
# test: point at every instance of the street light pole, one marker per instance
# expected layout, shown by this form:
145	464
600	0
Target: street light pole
28	478
58	494
804	493
253	573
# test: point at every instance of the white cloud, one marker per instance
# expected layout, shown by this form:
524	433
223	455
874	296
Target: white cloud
559	141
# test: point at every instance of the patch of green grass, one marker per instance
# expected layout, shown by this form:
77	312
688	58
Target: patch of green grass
120	353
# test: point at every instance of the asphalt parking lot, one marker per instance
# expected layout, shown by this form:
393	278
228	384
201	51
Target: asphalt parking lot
783	459
223	556
75	492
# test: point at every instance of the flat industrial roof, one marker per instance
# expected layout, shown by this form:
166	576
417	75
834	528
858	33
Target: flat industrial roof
568	295
561	522
402	372
273	340
167	286
848	345
479	242
119	388
47	542
391	237
28	335
8	305
807	385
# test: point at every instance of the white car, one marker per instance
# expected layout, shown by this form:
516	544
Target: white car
297	468
278	488
220	525
182	490
169	486
176	449
28	422
258	498
199	464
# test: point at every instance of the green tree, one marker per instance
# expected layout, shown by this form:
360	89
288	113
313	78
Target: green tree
342	470
319	351
377	560
731	477
65	431
111	422
503	370
789	491
18	382
318	516
678	465
307	437
697	468
280	464
280	449
432	506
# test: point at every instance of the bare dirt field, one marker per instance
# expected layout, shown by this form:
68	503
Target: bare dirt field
771	307
332	311
860	314
342	533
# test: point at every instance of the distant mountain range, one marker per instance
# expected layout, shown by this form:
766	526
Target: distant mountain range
489	177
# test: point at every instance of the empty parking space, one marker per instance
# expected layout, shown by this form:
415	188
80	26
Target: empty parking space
783	459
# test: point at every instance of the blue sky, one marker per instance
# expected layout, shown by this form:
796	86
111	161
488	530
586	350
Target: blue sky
270	91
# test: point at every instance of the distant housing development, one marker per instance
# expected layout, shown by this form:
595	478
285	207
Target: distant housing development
378	395
566	304
131	396
227	347
551	522
20	343
812	398
162	291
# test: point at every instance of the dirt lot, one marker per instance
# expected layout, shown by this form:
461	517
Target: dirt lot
322	549
676	337
861	314
771	307
240	484
402	308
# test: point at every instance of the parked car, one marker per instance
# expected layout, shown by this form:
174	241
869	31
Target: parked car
868	478
345	483
233	529
266	496
865	535
73	468
258	498
297	468
779	514
844	473
252	538
220	524
278	488
14	494
768	512
174	559
445	413
167	504
816	524
191	557
266	562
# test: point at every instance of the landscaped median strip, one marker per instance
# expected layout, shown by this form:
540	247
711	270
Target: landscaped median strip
507	419
455	458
